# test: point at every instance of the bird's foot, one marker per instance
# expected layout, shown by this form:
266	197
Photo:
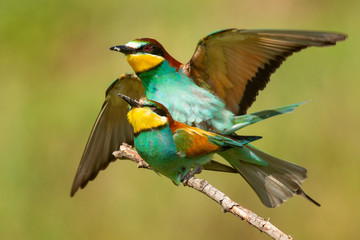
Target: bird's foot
194	171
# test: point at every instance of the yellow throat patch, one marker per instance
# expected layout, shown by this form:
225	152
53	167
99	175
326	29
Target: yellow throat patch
143	62
143	119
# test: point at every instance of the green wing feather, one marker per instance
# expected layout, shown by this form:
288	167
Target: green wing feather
236	64
248	119
110	130
183	141
227	142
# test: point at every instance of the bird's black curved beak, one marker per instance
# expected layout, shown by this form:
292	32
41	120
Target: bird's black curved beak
123	49
133	103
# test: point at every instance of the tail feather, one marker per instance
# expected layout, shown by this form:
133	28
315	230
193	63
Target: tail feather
274	183
302	193
248	119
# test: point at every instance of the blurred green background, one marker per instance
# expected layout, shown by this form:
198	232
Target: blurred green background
55	66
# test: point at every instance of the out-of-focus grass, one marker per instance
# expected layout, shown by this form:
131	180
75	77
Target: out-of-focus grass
55	66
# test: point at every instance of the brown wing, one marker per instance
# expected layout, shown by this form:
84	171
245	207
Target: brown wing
236	64
110	130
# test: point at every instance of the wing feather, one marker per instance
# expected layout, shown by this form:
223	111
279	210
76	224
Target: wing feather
110	130
237	64
191	141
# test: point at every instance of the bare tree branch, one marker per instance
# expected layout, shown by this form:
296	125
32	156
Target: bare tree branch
201	185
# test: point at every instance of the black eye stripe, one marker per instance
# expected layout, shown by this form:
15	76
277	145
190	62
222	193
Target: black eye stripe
147	48
156	110
161	112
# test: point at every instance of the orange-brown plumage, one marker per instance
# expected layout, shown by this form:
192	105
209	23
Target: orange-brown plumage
198	143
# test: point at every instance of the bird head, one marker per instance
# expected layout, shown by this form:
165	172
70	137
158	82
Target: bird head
146	114
145	53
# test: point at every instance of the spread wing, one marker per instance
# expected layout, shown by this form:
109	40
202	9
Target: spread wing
237	64
110	130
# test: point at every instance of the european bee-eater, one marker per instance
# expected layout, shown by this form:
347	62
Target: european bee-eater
220	81
173	148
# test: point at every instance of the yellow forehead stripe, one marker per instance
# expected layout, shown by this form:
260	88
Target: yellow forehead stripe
143	119
143	62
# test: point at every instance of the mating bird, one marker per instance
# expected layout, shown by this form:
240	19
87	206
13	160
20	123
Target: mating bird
174	149
212	91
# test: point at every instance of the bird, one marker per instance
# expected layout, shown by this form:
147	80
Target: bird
112	129
174	149
224	75
213	91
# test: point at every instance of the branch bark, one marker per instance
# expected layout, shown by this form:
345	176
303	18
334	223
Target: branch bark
201	185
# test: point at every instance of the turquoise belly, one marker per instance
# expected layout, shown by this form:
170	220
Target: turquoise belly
157	148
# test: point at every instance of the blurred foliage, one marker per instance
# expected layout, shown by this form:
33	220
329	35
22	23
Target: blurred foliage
55	66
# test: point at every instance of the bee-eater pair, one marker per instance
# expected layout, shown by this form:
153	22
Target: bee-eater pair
213	92
173	148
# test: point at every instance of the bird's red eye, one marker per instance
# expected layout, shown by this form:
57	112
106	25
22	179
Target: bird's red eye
147	48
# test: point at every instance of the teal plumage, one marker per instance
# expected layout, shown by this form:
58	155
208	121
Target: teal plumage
214	90
168	146
198	105
158	148
229	67
174	149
